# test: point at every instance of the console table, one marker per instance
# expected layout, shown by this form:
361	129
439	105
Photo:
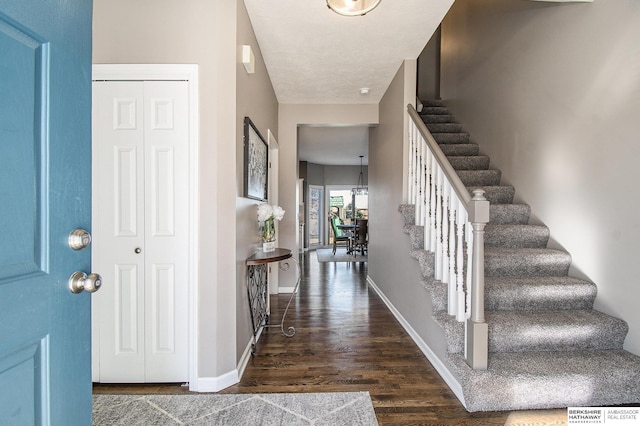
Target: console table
258	291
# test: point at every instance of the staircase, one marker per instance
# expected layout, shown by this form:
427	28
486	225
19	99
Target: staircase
548	347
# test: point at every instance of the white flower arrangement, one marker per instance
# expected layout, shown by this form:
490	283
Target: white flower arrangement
268	211
267	215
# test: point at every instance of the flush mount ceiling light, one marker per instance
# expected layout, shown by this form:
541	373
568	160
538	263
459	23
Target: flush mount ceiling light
352	7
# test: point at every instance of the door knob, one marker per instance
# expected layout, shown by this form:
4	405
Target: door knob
138	250
79	281
79	239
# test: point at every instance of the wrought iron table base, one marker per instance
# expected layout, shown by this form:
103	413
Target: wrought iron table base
258	292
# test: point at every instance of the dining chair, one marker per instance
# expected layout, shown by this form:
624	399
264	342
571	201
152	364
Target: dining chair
339	236
361	238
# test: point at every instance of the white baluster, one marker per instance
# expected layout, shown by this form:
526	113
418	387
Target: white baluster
427	191
446	194
461	224
438	252
432	206
454	206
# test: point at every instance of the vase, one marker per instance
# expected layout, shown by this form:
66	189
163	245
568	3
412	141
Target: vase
269	235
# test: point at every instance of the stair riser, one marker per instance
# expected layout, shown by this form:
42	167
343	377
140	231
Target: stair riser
525	264
434	110
444	138
516	236
444	127
460	149
432	103
544	297
553	331
509	214
469	162
480	177
436	118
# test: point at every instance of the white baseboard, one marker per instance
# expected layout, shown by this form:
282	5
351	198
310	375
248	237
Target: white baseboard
286	290
442	369
215	384
246	356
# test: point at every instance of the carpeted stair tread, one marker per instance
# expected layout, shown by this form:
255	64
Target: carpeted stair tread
539	380
436	118
444	127
490	177
469	162
520	262
447	138
502	194
538	293
509	214
516	236
558	330
460	149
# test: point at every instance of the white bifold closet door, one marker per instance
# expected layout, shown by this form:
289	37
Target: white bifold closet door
140	231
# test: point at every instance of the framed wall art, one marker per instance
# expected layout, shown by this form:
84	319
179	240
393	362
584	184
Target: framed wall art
256	162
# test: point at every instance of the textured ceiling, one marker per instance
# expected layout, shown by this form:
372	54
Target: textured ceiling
315	56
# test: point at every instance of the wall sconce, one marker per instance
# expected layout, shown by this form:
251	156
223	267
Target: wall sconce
248	59
352	7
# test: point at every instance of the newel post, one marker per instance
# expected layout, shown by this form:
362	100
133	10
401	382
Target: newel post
477	345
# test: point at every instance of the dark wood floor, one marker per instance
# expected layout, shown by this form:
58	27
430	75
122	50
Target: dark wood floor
346	340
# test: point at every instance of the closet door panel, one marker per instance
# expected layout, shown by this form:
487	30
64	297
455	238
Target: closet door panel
118	230
166	230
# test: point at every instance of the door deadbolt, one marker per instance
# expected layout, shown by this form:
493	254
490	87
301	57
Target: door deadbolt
79	239
80	281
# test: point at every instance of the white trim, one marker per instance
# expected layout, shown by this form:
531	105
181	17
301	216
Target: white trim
189	73
214	384
244	359
442	369
286	290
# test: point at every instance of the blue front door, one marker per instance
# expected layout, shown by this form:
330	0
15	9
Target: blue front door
45	193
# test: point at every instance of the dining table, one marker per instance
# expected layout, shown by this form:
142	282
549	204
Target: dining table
349	227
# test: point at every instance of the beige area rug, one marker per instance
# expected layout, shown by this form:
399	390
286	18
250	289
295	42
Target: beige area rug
537	418
326	255
331	408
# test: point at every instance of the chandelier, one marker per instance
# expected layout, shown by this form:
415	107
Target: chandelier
352	7
360	189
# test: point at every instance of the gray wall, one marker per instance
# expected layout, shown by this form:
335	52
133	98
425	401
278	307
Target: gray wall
255	99
429	69
391	266
551	91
